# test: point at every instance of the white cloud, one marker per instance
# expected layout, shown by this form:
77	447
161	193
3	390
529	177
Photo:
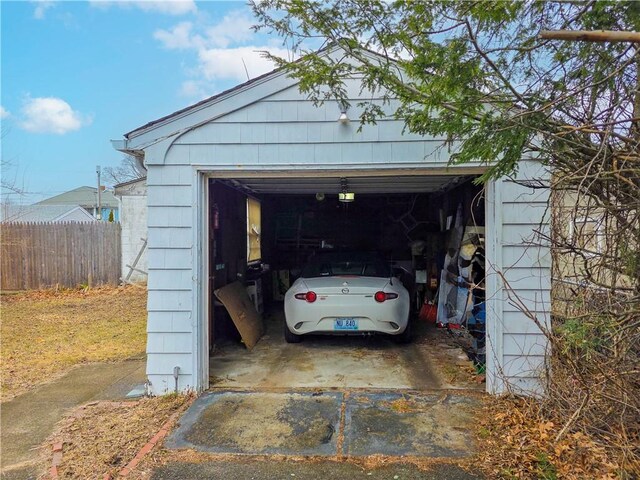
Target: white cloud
234	28
41	8
177	38
230	63
168	7
226	50
4	113
50	115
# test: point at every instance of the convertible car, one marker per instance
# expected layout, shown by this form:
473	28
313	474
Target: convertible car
342	293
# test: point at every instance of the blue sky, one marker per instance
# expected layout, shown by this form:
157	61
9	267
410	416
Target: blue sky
77	74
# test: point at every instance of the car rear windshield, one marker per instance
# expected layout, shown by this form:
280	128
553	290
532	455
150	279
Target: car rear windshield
332	264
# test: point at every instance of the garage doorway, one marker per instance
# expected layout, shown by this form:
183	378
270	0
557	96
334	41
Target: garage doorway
430	228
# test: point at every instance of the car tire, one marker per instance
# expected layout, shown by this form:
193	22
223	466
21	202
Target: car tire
406	336
291	337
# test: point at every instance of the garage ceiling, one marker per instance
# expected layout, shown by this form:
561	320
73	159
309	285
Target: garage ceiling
358	185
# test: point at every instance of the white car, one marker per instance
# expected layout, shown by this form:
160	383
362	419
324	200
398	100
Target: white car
346	293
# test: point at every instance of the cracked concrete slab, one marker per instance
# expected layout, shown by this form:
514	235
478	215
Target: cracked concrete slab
378	398
435	425
323	362
261	423
425	425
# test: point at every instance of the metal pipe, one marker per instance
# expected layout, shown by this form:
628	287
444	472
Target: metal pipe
99	213
176	373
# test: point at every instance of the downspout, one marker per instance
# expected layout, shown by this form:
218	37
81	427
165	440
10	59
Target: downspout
140	160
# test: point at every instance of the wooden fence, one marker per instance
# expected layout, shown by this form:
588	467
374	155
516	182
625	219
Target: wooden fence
39	255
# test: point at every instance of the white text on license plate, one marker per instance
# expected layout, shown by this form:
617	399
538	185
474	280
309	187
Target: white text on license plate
345	323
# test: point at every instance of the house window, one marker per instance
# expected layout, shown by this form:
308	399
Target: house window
587	234
253	231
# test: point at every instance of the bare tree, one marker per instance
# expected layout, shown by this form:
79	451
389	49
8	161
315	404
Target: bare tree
129	169
9	184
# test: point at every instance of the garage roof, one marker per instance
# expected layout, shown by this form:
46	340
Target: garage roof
360	185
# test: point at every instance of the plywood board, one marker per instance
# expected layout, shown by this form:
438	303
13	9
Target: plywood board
243	313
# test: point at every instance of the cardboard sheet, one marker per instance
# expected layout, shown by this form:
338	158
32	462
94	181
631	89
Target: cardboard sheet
243	313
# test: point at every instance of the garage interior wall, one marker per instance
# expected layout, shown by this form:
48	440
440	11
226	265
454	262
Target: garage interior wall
267	128
410	229
227	251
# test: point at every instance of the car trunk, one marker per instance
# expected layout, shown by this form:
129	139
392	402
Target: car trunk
346	285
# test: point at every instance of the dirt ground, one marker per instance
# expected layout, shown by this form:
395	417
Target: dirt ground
45	333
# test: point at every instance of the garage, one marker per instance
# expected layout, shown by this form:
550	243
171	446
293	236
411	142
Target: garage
409	221
264	148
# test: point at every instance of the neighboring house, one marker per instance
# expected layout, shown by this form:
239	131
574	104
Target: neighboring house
133	221
44	213
266	140
582	230
87	198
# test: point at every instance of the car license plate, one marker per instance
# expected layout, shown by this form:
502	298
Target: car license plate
345	323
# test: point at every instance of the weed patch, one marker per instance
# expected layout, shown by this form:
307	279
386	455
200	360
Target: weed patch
518	442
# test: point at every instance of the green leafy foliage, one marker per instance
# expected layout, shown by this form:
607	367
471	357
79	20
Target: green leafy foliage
583	336
479	76
475	73
546	469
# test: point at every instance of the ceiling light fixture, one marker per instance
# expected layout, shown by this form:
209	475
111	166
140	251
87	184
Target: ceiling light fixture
345	196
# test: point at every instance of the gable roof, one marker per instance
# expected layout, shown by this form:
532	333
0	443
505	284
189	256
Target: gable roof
83	196
156	131
44	213
203	102
328	50
130	182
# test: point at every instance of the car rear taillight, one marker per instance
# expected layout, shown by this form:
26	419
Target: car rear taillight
382	296
309	296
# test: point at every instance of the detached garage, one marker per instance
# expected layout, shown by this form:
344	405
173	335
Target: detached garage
246	185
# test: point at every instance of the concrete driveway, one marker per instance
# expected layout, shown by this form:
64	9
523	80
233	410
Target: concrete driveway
331	424
27	420
244	469
324	408
342	362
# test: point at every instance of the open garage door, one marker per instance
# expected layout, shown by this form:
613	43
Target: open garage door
429	229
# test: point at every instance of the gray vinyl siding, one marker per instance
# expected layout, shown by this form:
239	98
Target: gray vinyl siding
523	288
170	324
269	126
285	129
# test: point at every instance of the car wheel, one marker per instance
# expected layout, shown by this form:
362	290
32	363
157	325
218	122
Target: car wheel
291	337
404	337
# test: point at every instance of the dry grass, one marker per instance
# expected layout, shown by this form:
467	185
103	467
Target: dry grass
103	438
44	333
518	441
